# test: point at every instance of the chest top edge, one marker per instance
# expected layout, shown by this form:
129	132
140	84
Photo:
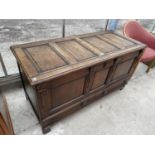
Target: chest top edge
49	59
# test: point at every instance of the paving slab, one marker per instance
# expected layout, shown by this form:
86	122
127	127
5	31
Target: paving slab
10	62
1	71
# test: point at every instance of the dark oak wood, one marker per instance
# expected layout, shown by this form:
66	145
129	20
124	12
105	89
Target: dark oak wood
62	75
6	127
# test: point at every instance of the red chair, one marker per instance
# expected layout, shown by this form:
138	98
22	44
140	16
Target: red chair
135	31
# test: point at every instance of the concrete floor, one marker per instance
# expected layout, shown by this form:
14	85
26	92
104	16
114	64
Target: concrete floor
130	111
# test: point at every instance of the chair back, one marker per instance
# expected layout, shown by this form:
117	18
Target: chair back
134	30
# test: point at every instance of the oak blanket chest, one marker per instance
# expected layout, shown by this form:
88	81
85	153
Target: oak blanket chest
62	75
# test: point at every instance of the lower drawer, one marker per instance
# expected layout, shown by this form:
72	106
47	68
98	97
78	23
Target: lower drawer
62	113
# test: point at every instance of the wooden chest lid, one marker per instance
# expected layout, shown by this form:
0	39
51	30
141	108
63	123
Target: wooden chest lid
45	60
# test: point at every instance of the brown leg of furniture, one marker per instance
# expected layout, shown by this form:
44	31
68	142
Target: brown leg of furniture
83	104
46	129
122	87
150	66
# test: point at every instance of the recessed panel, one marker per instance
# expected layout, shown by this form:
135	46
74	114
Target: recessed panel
44	58
118	40
100	44
67	92
123	69
76	50
100	78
